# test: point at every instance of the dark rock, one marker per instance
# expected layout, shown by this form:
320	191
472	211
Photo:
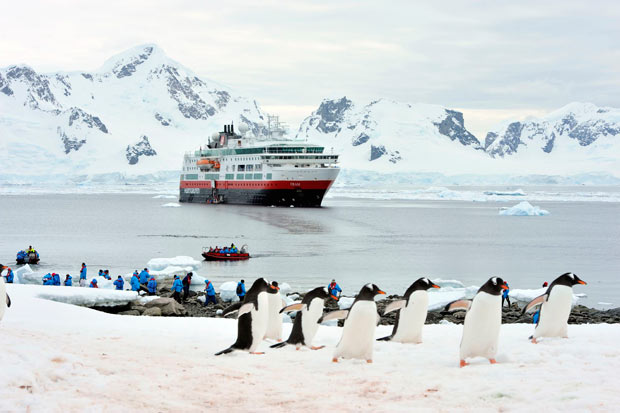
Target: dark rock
331	114
130	312
91	121
453	127
71	144
377	151
162	120
152	312
129	68
361	139
142	148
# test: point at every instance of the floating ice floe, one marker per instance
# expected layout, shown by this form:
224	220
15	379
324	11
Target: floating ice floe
159	264
171	205
516	192
165	197
524	209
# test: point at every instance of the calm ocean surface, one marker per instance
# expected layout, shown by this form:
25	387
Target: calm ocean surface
388	242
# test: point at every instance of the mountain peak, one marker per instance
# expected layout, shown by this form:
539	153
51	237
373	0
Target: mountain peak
126	63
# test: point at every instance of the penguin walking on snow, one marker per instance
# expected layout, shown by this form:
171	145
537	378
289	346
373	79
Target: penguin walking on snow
412	313
253	316
358	334
482	321
306	323
555	305
275	304
5	300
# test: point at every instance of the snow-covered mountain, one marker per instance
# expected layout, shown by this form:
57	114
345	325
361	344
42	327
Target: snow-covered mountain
137	114
390	136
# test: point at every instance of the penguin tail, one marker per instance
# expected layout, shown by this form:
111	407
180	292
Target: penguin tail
278	345
226	351
386	338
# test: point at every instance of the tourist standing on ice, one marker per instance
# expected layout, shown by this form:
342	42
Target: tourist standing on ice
152	286
210	290
9	276
241	290
177	287
119	283
68	281
83	275
135	282
55	279
505	295
93	283
144	276
187	281
47	279
334	289
106	275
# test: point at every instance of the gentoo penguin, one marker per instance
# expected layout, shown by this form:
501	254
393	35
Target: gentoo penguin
306	323
358	334
555	306
276	303
482	321
412	312
5	300
253	315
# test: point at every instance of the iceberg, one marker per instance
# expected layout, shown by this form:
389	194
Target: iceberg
171	205
159	264
228	292
524	209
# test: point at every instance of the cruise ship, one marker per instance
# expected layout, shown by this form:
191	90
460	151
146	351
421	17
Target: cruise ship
233	169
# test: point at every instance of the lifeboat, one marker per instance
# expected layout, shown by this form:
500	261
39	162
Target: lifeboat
208	163
226	256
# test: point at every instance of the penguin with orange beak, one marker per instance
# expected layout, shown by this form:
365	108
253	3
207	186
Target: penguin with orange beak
412	312
358	334
555	305
5	300
482	321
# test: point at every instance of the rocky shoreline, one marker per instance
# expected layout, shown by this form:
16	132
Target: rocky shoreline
165	306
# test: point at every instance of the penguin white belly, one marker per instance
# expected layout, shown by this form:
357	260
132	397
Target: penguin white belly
274	326
2	297
260	319
481	328
411	319
358	334
554	313
309	320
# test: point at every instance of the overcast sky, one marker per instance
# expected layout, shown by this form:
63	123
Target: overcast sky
492	59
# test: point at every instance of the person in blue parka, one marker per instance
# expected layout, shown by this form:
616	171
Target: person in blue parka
93	283
68	281
135	282
55	279
505	296
210	290
9	276
119	283
334	289
144	276
152	286
47	279
177	287
83	275
241	290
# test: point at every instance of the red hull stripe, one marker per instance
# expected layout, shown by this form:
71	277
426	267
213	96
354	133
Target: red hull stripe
259	184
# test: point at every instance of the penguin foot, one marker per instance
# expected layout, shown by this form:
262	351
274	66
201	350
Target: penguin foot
297	348
534	340
279	340
492	361
335	360
464	363
257	352
369	361
316	347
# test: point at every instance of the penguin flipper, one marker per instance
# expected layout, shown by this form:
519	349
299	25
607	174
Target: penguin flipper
334	315
278	345
225	351
534	303
395	305
8	301
386	338
232	308
292	307
245	308
458	305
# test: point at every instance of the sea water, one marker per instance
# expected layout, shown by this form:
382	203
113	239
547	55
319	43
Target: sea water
355	241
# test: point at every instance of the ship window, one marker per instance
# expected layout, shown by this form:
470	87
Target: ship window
268	176
249	168
233	168
239	176
248	176
258	167
241	168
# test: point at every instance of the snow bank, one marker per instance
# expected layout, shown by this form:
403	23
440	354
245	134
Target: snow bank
228	292
448	283
344	303
85	297
524	209
171	205
159	264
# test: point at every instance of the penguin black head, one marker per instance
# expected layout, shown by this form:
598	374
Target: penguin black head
423	284
369	291
274	288
260	285
494	286
569	279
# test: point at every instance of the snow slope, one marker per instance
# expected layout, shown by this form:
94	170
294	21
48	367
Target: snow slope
137	114
58	357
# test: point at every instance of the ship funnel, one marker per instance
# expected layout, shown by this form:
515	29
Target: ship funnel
225	128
